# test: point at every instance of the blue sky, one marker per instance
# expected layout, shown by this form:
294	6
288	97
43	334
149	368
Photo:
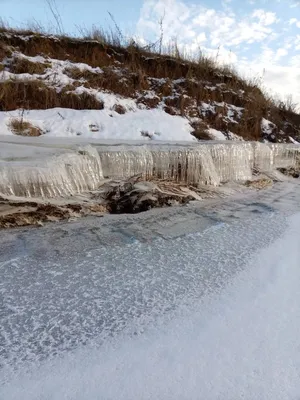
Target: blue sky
259	37
73	12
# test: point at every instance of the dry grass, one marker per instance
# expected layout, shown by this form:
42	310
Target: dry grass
37	95
90	79
22	66
110	80
118	108
23	128
200	131
77	74
259	184
140	67
92	53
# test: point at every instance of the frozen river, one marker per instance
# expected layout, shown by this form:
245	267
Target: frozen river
184	303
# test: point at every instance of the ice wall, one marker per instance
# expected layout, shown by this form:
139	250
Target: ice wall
60	176
208	163
204	163
271	156
84	168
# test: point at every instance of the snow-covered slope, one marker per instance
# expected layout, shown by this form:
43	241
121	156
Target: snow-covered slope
137	94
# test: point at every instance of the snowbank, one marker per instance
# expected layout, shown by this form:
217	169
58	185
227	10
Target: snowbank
104	124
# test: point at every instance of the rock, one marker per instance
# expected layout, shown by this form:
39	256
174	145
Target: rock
291	171
118	108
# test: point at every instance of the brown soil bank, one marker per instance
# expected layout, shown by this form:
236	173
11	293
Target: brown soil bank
129	196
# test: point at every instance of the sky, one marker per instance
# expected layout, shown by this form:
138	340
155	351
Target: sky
261	38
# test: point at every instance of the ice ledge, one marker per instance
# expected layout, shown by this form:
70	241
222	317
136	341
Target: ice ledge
61	168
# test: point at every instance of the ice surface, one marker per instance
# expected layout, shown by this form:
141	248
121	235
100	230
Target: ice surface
208	315
74	169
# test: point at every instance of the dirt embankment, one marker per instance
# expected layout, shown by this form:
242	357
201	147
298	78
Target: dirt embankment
115	197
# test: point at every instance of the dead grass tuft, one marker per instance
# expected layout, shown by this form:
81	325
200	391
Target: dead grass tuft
78	74
22	66
23	128
4	52
118	108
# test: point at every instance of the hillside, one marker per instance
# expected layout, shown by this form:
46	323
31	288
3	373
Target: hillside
64	86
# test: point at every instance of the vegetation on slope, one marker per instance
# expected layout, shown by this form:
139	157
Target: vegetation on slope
210	96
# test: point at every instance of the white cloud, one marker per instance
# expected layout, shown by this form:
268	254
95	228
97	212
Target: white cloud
295	21
292	21
175	16
281	53
296	43
295	61
223	27
264	17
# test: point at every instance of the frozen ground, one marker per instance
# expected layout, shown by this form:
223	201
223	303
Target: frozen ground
184	303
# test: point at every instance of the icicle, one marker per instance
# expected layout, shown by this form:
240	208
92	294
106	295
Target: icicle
61	176
271	156
207	163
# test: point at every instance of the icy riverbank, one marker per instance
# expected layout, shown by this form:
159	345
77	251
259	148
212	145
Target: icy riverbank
209	314
44	180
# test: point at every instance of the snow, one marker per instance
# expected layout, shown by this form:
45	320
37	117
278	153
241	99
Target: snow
109	99
233	136
211	88
54	75
149	94
234	111
240	341
6	76
205	107
215	134
267	126
104	124
293	140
